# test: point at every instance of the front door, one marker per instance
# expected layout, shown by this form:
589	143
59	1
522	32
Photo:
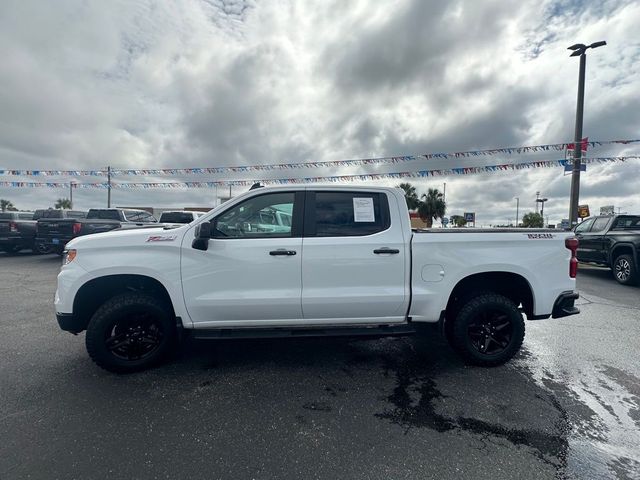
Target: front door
586	245
250	273
354	266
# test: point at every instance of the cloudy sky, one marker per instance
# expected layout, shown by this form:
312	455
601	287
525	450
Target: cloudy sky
198	83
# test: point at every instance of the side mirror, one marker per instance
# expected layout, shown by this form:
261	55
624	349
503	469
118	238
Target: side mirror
202	236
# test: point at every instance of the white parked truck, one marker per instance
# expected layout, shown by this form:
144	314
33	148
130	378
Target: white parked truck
347	263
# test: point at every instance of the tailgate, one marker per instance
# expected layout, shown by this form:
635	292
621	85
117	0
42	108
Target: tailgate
58	227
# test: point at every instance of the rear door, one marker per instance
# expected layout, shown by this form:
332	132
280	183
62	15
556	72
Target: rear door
354	258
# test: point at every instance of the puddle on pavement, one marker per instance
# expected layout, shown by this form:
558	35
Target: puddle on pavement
603	412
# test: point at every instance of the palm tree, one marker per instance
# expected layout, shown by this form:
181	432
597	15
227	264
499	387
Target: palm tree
6	205
63	204
410	195
432	206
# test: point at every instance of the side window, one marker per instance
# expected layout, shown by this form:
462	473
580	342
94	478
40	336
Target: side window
627	223
584	226
346	214
25	216
264	216
147	217
600	224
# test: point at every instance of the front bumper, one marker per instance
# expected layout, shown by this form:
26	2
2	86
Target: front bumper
564	305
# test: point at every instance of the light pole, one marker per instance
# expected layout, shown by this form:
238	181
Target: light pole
71	184
517	209
541	201
579	50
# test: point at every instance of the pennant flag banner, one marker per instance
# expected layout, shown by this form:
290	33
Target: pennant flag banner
328	179
290	166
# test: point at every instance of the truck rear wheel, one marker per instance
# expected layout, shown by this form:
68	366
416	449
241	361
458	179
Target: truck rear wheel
488	330
130	332
624	270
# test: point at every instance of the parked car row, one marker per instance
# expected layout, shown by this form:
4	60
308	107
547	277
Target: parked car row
48	231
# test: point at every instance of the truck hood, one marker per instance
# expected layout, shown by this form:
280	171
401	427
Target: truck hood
131	237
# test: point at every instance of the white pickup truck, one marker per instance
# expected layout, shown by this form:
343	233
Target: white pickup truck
347	263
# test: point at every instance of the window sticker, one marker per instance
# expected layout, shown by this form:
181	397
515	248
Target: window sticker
363	210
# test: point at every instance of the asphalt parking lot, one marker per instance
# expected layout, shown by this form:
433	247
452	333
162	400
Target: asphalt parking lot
567	407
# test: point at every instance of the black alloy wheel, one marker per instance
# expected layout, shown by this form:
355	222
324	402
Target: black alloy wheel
135	337
488	330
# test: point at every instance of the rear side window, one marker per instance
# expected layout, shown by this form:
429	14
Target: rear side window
104	214
176	217
627	223
600	224
51	213
348	214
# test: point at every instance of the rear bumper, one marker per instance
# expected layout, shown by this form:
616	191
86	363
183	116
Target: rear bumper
70	323
564	305
53	241
11	240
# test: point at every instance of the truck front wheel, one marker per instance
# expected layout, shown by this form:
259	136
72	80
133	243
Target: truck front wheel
130	332
625	270
488	330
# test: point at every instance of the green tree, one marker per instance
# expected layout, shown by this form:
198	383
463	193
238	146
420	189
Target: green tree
6	205
410	195
432	206
63	204
532	220
458	220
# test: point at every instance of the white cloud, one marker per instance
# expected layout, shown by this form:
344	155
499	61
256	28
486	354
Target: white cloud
177	84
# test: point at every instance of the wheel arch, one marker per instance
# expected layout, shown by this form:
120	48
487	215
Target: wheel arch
98	290
622	249
512	285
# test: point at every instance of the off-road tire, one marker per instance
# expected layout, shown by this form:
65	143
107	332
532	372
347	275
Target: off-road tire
492	309
41	249
116	318
624	270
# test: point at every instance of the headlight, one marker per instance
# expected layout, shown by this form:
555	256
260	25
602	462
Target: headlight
69	256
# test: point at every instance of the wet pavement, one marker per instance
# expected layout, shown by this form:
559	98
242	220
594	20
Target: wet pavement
567	407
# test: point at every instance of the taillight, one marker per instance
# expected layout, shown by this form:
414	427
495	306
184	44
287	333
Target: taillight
572	244
76	228
13	226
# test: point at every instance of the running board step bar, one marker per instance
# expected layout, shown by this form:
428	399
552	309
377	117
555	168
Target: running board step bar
288	332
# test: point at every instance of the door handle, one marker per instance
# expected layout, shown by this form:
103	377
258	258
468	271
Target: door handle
282	252
378	251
